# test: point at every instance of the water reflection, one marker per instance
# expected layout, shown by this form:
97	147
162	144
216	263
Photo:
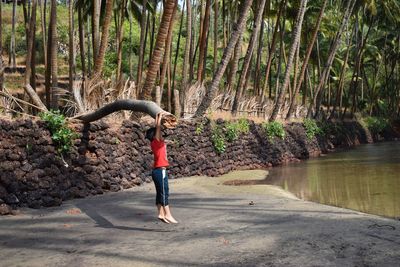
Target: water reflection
366	179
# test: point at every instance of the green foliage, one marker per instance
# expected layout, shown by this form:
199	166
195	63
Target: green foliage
200	128
234	129
273	130
312	129
376	124
218	139
61	135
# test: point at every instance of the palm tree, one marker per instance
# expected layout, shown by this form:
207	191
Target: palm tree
272	47
12	59
159	48
295	41
187	51
203	41
212	90
71	45
99	59
31	40
96	27
249	53
53	47
324	75
143	27
166	61
306	59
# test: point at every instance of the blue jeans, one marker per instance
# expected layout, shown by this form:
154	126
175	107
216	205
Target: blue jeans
160	178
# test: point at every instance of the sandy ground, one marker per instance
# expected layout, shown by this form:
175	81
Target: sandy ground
218	227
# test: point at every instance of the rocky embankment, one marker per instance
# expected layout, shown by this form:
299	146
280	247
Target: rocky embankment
110	158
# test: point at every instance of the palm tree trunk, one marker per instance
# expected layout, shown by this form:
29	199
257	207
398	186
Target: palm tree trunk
178	47
81	29
96	28
306	60
158	52
323	77
143	27
249	54
43	26
215	35
272	48
120	35
166	60
71	77
295	42
98	65
203	41
53	56
187	52
89	56
31	40
12	59
260	51
213	89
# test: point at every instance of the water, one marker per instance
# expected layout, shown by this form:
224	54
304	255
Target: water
366	179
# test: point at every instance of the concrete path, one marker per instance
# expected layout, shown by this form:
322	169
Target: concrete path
217	227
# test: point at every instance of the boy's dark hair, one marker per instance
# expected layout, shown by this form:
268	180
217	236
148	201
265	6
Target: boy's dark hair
150	133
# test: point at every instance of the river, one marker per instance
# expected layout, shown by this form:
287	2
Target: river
366	178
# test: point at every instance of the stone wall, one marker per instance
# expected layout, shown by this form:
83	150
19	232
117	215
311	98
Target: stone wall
112	158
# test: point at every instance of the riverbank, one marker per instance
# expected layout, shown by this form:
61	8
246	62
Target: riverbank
218	227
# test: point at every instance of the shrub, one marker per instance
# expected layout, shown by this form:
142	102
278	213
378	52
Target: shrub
61	135
376	124
274	129
311	127
218	139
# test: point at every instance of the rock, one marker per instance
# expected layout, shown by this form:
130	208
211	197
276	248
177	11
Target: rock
11	199
5	209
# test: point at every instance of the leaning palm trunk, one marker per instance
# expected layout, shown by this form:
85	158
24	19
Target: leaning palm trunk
306	60
249	54
213	89
332	53
147	107
158	52
295	42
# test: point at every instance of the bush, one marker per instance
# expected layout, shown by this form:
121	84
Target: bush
218	139
273	130
234	129
376	124
61	135
312	128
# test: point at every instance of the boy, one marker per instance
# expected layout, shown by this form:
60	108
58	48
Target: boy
159	174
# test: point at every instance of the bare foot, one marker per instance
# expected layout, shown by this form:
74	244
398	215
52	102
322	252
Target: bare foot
171	219
163	219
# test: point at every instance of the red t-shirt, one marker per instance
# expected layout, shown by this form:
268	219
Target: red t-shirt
160	153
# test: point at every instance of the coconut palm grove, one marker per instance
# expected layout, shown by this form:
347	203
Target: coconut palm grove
282	116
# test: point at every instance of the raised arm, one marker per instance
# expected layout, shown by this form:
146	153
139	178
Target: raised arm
158	126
